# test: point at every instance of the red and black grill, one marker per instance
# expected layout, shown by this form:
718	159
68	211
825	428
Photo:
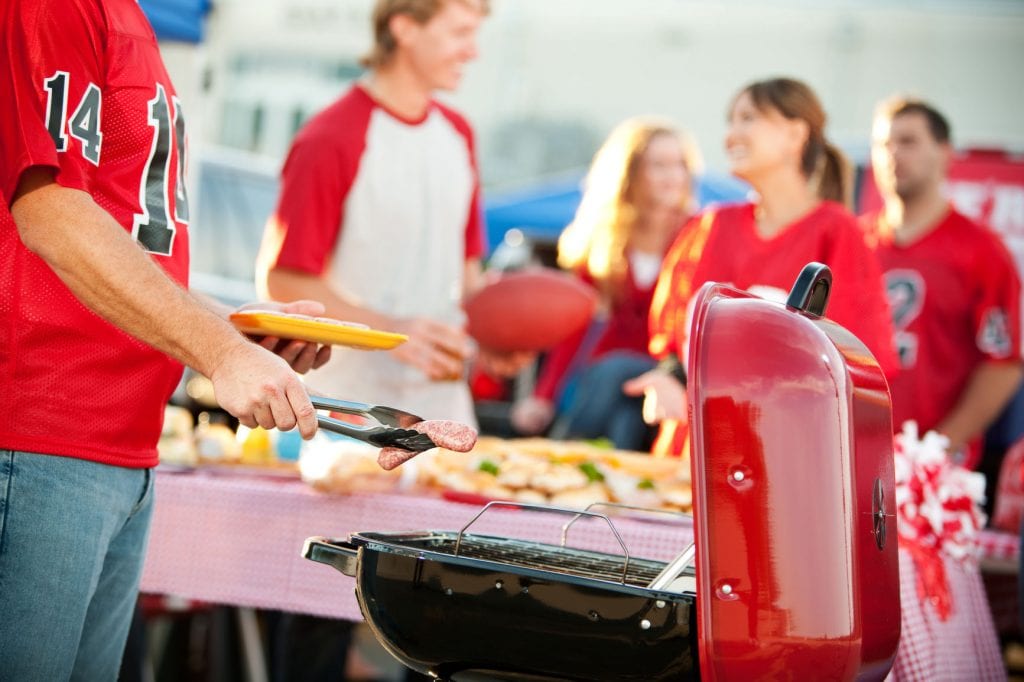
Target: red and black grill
794	571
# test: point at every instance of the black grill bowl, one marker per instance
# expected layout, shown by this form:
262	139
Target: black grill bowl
467	618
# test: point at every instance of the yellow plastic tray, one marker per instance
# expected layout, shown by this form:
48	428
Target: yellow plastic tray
307	329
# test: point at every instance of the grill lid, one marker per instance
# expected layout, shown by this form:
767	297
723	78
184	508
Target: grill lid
791	448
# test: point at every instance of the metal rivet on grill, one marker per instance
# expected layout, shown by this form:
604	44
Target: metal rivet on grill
645	624
593	615
741	477
660	604
448	591
726	591
498	585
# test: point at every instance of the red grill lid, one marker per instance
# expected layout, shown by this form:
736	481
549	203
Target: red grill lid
797	568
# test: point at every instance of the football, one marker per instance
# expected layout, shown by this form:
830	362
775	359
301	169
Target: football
529	310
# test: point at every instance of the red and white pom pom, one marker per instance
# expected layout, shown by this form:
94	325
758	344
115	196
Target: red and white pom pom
938	502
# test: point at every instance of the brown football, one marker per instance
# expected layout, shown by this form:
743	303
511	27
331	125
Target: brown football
529	310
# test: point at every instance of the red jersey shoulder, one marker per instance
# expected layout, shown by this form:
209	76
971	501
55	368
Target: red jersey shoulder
833	210
125	17
726	222
731	213
967	231
831	216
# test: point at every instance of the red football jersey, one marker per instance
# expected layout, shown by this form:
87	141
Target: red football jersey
955	301
722	245
86	94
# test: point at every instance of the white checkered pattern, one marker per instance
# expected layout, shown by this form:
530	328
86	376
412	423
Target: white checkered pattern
236	540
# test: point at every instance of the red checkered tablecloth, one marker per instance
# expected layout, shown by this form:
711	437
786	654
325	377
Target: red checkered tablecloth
237	540
998	545
964	647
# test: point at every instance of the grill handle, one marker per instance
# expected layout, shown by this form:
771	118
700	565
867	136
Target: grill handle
337	553
811	290
565	528
556	510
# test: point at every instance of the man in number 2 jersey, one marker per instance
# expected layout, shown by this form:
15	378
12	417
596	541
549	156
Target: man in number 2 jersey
954	292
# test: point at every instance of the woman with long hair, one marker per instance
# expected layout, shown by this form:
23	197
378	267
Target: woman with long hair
776	142
637	195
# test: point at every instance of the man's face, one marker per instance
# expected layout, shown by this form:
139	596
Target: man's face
906	159
437	50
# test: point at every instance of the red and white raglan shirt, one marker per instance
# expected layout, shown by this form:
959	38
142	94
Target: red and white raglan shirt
85	93
954	295
722	245
388	211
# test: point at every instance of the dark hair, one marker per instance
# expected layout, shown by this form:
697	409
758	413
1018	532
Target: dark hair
821	161
938	125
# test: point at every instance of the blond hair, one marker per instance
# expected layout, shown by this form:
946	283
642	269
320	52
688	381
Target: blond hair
420	11
597	238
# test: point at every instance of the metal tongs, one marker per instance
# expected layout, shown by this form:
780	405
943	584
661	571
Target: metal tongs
391	430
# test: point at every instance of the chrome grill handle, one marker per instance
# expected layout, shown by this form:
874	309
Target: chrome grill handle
617	505
548	508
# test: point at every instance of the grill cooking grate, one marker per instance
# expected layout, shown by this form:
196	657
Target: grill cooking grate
544	557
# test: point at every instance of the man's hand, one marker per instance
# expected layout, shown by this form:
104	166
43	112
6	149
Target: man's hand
301	356
502	364
438	350
664	396
260	389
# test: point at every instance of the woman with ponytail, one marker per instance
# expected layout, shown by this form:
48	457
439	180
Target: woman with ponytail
776	142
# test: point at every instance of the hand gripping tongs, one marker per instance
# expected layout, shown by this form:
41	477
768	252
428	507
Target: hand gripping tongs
391	431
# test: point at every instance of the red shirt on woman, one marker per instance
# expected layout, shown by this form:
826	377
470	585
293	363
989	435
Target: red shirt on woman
723	245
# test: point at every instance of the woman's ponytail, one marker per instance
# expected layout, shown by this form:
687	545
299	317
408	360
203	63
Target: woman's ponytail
835	176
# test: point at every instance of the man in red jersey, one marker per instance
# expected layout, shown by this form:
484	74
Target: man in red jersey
95	321
953	290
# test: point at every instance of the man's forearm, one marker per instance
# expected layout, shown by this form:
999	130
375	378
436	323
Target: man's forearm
988	390
112	276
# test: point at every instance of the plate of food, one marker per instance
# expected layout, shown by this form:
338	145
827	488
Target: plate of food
315	329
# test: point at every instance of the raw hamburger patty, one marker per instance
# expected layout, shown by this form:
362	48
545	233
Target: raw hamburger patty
445	434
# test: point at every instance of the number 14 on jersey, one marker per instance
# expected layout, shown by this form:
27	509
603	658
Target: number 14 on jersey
155	224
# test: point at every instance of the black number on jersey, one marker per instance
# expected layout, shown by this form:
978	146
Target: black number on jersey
180	194
56	87
85	121
153	228
906	292
85	124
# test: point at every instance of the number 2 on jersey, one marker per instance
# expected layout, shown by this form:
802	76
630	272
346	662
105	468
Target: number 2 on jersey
154	227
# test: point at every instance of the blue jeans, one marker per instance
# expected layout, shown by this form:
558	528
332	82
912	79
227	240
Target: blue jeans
72	541
601	410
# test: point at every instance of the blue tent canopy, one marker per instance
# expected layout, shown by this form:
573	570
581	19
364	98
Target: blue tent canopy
177	19
541	212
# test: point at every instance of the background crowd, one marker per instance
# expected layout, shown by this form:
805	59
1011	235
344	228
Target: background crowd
378	221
